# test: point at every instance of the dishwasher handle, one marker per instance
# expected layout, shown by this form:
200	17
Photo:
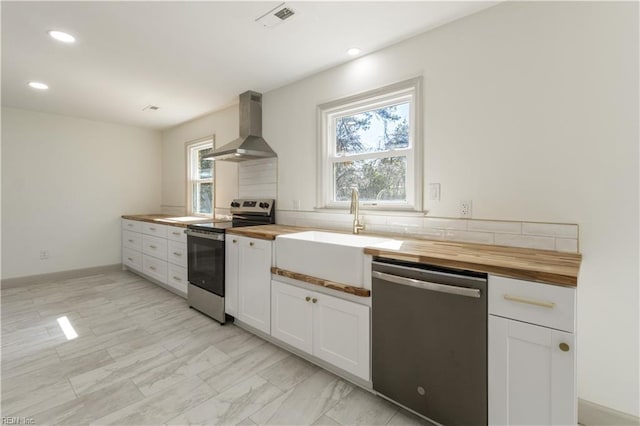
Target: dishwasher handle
426	285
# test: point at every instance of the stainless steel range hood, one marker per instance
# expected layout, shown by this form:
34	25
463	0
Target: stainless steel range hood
250	145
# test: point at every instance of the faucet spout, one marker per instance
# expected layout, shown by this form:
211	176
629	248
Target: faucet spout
355	211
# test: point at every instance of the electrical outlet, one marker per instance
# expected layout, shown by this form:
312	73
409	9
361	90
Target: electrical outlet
44	254
465	208
434	191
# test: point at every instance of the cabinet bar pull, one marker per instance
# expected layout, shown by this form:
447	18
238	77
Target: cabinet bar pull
153	268
175	253
176	233
177	279
534	302
130	241
153	247
130	259
152	228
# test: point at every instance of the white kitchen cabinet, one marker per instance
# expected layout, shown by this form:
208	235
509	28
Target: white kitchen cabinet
292	315
231	275
532	367
254	282
176	233
156	251
332	329
177	277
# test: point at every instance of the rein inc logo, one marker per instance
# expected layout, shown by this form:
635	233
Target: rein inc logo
18	421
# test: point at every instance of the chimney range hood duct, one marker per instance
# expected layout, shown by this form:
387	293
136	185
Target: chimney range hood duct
250	145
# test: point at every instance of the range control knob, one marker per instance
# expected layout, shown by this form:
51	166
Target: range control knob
264	205
235	204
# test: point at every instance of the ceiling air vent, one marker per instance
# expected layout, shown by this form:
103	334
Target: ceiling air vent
276	16
151	108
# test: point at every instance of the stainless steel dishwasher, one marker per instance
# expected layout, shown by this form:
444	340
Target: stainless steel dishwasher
429	340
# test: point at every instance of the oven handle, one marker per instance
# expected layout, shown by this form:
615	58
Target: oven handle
207	235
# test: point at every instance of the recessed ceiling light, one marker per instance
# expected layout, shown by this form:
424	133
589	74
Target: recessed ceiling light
353	51
62	36
38	85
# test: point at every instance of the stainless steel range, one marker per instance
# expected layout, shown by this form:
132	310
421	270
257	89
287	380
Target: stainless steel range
205	253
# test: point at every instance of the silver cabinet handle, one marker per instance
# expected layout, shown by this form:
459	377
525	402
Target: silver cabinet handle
175	253
153	247
130	225
177	278
426	285
130	259
130	241
153	268
151	228
176	233
518	299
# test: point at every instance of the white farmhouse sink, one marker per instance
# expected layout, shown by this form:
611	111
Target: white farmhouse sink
327	255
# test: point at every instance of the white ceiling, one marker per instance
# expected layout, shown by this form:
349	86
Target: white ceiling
189	58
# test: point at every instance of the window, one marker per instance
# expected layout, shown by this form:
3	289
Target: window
200	190
370	142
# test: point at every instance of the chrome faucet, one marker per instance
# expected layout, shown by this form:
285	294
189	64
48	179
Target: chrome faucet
355	211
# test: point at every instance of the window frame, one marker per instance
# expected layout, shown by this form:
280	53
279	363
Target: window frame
192	148
409	90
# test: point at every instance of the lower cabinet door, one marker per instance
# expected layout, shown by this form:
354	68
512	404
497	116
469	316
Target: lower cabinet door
532	374
341	334
155	268
292	315
177	277
254	283
132	258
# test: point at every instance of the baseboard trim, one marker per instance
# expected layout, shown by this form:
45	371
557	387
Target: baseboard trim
62	275
592	414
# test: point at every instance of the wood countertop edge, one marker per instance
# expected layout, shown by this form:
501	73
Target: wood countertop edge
158	219
345	288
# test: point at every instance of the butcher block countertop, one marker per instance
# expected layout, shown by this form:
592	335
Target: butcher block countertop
528	264
166	219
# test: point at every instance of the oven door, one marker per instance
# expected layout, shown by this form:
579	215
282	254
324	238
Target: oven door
205	265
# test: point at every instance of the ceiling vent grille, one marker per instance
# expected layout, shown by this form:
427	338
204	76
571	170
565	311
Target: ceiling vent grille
276	16
151	108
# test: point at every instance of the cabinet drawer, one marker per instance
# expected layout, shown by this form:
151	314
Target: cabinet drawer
176	233
132	225
177	253
177	277
154	229
154	246
132	258
155	268
132	240
543	304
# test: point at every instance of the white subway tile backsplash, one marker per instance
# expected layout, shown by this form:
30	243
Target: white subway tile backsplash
469	236
258	178
569	245
546	236
495	226
550	229
441	223
525	241
413	222
426	233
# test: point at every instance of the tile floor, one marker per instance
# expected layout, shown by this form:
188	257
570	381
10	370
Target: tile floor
143	357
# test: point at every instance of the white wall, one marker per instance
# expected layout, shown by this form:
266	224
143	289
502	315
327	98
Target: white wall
530	111
65	183
224	124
